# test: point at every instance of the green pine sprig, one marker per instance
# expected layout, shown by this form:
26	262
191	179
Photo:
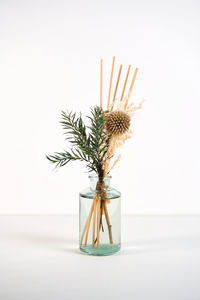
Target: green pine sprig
88	147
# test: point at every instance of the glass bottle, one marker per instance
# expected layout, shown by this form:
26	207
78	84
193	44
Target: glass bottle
100	217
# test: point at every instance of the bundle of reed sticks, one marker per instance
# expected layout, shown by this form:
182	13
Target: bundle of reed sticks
99	204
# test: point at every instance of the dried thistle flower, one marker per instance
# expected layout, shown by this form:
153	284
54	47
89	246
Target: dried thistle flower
117	122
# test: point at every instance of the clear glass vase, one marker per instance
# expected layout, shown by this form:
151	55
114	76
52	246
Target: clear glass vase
100	217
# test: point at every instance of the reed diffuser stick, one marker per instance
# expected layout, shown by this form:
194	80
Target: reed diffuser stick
101	82
131	87
86	223
108	222
94	223
129	67
98	222
88	226
115	92
111	77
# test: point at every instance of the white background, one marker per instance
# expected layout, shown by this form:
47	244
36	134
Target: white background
49	61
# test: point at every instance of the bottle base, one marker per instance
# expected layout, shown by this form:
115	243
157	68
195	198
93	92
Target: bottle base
103	250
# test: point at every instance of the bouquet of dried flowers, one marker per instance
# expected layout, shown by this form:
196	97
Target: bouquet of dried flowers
96	145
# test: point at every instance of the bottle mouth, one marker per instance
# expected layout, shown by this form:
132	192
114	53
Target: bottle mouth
95	176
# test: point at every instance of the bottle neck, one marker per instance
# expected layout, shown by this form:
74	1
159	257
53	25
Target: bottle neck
99	184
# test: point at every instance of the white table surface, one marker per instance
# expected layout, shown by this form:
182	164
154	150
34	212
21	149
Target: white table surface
40	259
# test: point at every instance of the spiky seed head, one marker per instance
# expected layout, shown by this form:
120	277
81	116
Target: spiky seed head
117	122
